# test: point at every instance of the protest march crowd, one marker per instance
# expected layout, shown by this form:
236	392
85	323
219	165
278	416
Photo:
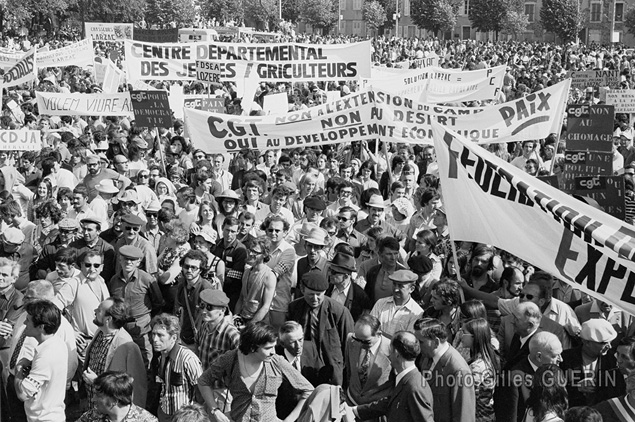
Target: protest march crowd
148	275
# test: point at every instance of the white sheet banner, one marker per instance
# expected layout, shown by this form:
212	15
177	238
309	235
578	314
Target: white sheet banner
20	140
112	78
78	54
104	31
490	201
438	85
22	72
8	59
271	62
54	104
377	114
622	99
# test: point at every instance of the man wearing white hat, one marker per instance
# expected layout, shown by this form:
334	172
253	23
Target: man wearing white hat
591	369
377	218
101	204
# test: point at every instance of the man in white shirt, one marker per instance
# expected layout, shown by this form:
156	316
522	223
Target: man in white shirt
399	311
41	382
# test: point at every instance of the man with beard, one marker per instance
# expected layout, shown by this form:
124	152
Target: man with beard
376	218
481	263
399	311
96	173
90	241
112	349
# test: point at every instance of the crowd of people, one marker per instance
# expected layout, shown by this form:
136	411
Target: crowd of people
143	279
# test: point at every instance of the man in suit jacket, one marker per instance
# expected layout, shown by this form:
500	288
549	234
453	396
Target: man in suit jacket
411	398
290	345
326	325
587	387
526	320
343	290
515	385
367	363
448	373
122	354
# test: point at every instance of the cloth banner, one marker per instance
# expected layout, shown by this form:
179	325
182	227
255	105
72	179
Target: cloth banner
438	85
103	31
112	78
53	104
594	78
20	140
78	54
488	200
8	59
22	72
269	62
373	114
622	99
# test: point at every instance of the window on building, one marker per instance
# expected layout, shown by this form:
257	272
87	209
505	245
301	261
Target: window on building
466	7
619	12
357	4
530	11
406	7
596	12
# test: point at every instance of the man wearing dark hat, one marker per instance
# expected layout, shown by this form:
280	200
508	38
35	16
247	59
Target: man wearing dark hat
422	266
312	207
14	247
326	325
315	260
399	311
90	241
141	292
343	290
217	333
131	229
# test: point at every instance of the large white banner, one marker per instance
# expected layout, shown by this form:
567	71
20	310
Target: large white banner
269	62
53	104
490	201
376	114
622	99
438	85
20	140
8	59
78	54
22	72
105	31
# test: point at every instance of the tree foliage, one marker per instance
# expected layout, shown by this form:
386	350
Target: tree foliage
562	17
223	10
320	13
389	9
163	13
434	15
515	21
22	12
629	20
487	15
263	12
291	10
374	15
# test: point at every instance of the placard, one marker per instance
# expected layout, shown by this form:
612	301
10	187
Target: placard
594	78
590	127
585	163
608	191
151	109
623	100
106	31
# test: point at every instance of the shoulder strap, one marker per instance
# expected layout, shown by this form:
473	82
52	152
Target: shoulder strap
622	409
189	312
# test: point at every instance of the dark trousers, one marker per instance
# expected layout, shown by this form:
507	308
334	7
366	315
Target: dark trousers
15	405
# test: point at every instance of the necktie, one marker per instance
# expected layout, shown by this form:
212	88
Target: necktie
315	323
16	351
363	367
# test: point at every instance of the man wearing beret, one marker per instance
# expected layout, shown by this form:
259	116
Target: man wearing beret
399	311
326	325
343	290
90	241
131	229
591	369
142	294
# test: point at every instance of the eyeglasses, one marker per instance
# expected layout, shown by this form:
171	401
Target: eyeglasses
133	229
342	218
206	306
89	265
364	342
529	297
144	176
191	267
61	231
152	214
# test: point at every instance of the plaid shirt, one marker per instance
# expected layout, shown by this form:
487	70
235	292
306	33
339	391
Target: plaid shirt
177	376
213	342
97	359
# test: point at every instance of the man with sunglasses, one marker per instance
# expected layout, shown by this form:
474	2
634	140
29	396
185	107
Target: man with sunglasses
90	241
217	333
189	285
131	236
347	218
96	173
141	292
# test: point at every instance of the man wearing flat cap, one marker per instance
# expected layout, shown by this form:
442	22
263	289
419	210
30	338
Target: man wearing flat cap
343	290
326	325
90	241
591	369
16	249
142	294
131	225
217	333
399	311
65	236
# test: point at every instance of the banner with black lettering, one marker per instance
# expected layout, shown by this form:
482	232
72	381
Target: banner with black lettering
78	54
22	72
20	140
54	104
439	85
269	62
106	31
488	200
8	59
371	114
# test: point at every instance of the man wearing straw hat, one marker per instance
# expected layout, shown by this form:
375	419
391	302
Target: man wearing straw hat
376	218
